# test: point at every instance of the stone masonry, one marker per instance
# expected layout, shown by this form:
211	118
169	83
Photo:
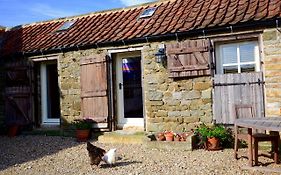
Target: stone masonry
172	104
272	70
169	104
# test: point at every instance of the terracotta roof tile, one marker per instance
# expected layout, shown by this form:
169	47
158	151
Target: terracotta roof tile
202	15
221	13
251	11
170	16
273	8
241	11
185	13
262	9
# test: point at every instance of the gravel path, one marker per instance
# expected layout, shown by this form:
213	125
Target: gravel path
36	155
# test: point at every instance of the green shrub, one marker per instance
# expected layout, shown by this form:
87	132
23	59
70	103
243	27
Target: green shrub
82	124
203	132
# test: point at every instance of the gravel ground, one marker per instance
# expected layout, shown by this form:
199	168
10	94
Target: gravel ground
46	155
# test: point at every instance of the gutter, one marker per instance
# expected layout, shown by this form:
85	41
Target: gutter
250	25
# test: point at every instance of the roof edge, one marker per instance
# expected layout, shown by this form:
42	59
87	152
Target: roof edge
158	2
208	32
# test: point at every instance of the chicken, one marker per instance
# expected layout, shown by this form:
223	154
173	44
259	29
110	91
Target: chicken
95	153
110	157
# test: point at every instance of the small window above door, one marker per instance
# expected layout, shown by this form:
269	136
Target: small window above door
237	57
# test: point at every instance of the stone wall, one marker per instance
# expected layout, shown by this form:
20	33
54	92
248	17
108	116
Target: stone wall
173	104
169	104
69	78
272	70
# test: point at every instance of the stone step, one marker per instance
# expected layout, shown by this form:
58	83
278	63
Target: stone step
125	137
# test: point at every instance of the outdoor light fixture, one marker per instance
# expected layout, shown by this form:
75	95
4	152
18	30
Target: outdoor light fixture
160	56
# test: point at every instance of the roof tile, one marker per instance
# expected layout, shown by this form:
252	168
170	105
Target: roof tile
170	16
262	9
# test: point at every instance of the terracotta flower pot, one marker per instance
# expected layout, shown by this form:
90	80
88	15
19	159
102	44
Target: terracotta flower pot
160	136
169	136
213	143
82	135
13	130
177	138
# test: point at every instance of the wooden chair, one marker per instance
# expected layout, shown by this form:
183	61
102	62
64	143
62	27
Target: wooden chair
247	111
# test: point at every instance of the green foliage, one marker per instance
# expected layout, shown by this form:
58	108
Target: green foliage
82	124
203	132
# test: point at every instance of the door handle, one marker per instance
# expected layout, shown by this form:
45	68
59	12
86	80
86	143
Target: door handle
120	86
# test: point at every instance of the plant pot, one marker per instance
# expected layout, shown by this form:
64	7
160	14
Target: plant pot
82	135
177	138
213	143
13	130
160	136
169	136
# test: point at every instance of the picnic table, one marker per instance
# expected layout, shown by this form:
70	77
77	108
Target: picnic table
271	124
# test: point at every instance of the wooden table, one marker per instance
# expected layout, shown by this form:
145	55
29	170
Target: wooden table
272	124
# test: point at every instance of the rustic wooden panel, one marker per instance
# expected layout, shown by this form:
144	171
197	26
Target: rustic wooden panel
18	94
188	58
231	89
94	96
18	105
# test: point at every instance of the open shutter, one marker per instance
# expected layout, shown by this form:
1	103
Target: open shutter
94	94
189	58
18	93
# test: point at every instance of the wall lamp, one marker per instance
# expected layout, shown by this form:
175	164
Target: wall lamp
160	55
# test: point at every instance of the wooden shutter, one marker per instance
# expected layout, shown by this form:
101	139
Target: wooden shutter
189	58
232	89
18	93
94	94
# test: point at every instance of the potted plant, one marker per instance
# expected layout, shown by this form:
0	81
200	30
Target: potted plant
169	135
212	137
83	128
160	136
177	137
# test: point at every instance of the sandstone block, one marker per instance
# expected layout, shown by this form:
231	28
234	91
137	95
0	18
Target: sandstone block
270	35
174	113
201	86
155	95
194	94
177	95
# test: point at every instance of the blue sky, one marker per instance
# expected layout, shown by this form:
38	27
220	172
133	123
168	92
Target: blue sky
17	12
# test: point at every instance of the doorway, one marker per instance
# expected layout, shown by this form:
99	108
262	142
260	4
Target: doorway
129	93
50	96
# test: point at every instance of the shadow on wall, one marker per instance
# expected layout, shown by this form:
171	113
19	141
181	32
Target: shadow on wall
11	46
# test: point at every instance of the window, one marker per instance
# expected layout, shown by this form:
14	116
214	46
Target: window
148	12
66	25
237	57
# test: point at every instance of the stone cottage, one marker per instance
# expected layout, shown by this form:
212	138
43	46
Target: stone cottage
166	65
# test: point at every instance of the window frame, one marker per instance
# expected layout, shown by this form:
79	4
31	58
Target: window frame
219	60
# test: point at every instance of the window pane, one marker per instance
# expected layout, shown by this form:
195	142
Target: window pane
248	68
247	52
229	53
230	69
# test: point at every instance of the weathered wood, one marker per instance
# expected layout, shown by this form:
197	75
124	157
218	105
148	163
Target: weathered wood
18	94
178	51
265	123
189	58
261	123
231	89
94	92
